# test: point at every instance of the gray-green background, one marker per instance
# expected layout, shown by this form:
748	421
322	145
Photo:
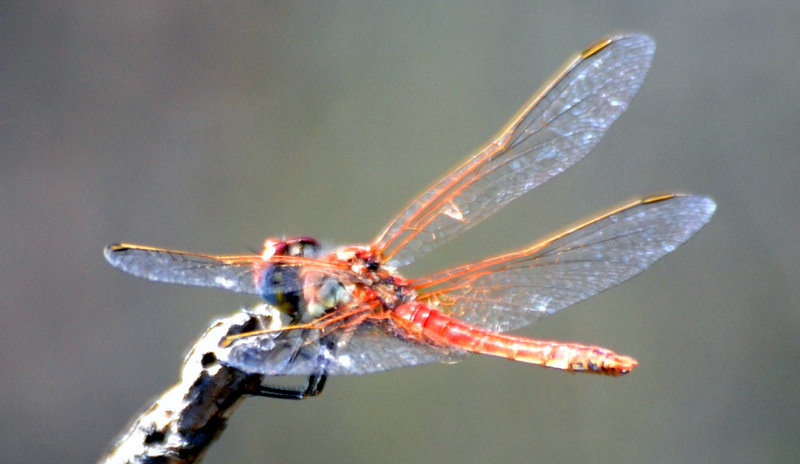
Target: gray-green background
208	126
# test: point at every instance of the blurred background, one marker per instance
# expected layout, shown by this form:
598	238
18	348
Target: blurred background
206	126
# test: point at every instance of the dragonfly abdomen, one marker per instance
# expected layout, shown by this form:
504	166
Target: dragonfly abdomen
432	325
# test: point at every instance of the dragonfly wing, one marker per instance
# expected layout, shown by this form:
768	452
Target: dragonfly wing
561	124
176	267
374	348
513	290
370	348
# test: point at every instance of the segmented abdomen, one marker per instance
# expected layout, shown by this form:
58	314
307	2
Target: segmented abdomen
430	325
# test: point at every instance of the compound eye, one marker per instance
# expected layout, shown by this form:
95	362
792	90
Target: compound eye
303	247
305	241
273	248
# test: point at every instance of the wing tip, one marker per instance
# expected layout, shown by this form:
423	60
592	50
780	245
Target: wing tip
110	252
704	206
707	205
642	41
630	40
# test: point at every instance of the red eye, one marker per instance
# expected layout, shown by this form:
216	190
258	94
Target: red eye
273	248
302	246
305	241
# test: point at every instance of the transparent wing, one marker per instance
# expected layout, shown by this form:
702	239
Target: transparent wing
560	125
370	347
235	273
513	290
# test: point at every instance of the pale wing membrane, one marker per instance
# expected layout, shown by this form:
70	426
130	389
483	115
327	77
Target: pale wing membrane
514	290
234	273
175	267
374	348
370	348
560	125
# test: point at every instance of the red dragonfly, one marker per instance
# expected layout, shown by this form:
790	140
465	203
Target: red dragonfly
349	311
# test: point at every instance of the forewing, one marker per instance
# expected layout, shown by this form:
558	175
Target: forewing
235	273
560	125
513	290
370	347
177	267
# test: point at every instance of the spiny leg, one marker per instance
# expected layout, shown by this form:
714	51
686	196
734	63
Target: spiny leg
314	386
316	381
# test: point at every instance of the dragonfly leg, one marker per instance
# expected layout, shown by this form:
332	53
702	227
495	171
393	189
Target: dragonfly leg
316	382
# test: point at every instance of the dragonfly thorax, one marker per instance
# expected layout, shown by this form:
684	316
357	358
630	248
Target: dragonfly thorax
306	293
374	282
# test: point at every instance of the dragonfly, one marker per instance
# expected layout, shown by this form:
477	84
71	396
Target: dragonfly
349	310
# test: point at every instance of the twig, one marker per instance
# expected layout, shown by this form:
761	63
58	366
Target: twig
186	419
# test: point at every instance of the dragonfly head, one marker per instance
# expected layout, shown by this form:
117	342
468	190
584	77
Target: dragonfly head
305	247
280	285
